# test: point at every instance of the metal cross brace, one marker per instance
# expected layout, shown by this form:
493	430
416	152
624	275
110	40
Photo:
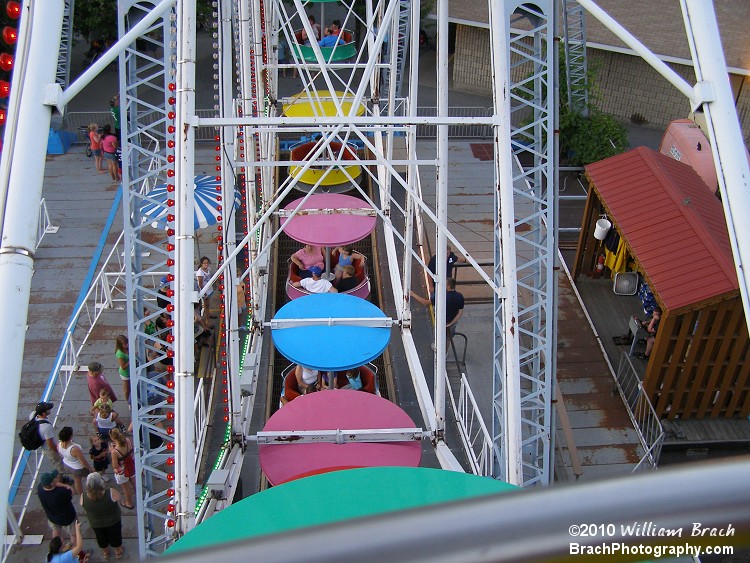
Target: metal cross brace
374	322
339	436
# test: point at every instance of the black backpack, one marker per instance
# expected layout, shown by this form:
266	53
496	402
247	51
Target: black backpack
29	434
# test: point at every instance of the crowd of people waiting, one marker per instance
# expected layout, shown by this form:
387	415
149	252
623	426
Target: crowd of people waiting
80	474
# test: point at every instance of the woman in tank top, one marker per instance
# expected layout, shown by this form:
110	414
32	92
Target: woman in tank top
105	420
73	458
346	257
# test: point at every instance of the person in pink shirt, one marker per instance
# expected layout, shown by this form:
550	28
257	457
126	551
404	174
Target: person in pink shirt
307	257
109	151
96	147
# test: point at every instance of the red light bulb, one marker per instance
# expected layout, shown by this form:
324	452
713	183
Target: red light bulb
4	89
13	9
10	35
6	62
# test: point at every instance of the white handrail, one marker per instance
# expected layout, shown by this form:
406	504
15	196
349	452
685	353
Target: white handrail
45	224
475	438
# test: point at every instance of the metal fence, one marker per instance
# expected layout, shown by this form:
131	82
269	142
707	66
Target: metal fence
647	424
76	121
457	131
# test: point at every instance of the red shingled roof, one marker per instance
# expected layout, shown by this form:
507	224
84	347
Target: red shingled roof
671	221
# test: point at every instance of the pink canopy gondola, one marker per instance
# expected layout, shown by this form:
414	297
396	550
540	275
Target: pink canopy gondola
333	410
328	221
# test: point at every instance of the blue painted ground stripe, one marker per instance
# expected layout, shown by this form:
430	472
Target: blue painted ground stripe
52	380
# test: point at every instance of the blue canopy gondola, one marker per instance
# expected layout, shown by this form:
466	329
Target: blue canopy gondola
328	345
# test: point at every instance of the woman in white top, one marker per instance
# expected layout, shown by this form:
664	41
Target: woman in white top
306	377
73	459
105	420
202	275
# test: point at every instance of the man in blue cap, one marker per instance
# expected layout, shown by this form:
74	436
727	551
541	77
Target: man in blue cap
315	284
56	499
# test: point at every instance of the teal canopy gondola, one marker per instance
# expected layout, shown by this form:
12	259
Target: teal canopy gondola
341	52
336	497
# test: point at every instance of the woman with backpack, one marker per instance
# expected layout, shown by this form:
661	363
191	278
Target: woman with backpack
109	150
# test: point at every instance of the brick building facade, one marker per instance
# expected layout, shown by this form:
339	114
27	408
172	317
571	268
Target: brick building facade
627	87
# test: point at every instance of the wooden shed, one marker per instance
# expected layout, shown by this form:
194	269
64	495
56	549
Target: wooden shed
674	234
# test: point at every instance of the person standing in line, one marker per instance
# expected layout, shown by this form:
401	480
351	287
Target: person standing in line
73	555
73	458
96	147
202	275
47	434
97	382
123	463
105	420
56	499
103	511
102	400
109	151
454	304
114	109
451	259
123	364
99	454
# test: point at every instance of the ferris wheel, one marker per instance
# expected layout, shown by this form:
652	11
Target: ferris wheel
351	127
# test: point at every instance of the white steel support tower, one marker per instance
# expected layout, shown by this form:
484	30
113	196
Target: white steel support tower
62	76
522	37
576	66
148	115
398	38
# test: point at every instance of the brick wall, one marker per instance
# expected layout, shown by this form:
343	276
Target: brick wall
630	89
471	60
627	87
743	109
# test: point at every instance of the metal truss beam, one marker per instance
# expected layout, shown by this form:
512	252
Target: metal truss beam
62	76
147	132
524	240
576	67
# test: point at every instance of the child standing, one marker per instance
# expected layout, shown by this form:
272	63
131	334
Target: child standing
99	455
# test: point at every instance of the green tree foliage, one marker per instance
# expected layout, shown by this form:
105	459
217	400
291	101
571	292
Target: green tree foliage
584	140
97	19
